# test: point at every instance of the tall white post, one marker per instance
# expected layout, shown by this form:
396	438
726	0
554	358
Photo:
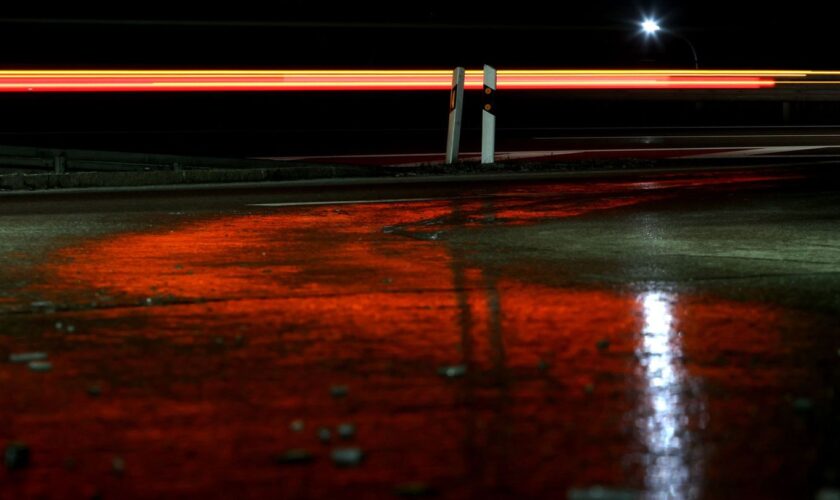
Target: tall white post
488	116
456	107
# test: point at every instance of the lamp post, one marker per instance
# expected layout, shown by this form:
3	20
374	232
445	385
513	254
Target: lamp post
650	28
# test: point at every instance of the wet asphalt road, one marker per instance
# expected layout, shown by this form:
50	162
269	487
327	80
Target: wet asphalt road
661	334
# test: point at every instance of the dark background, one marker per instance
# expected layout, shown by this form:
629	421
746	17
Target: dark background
417	34
594	34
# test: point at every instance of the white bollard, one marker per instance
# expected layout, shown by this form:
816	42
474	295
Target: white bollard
456	106
488	116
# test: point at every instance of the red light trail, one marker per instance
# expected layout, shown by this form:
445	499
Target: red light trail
380	80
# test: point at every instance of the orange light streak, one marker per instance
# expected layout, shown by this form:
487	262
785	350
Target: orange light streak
376	80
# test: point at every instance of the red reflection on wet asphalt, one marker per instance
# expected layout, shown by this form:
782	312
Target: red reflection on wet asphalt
252	318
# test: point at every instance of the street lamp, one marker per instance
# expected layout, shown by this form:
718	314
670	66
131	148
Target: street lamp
650	28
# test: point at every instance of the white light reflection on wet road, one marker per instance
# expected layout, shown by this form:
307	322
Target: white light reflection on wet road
664	419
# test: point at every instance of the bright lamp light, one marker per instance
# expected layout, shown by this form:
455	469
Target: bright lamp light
650	26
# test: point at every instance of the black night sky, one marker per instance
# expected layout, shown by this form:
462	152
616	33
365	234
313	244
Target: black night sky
427	34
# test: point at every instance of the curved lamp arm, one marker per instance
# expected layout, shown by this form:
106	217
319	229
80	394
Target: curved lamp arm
690	45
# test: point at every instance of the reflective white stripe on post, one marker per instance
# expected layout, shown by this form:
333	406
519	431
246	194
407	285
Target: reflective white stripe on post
456	106
488	118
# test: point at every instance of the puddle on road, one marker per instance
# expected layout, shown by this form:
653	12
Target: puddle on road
213	348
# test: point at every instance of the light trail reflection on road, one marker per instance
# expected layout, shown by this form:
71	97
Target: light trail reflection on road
253	317
664	427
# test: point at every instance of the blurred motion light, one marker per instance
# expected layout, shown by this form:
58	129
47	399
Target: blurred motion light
379	80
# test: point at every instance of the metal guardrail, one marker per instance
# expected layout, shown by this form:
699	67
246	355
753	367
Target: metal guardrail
69	160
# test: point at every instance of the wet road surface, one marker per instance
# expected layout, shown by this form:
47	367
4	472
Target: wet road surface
663	335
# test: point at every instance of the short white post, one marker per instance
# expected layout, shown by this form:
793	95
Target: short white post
488	116
456	107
